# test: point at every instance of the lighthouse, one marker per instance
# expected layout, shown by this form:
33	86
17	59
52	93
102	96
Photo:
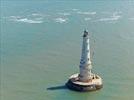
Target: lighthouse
85	80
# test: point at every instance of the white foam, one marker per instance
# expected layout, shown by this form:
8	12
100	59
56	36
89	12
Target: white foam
86	13
36	14
113	13
131	18
64	14
29	20
14	17
117	12
75	9
86	19
112	18
39	18
25	20
61	20
39	15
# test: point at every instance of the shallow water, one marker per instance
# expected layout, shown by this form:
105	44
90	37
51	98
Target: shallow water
41	46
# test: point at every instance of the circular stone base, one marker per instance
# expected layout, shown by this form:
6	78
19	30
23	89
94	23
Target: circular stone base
92	85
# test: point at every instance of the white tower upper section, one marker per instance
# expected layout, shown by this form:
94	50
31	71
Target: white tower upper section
85	62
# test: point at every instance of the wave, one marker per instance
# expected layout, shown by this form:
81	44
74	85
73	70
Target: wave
25	20
117	12
29	20
14	17
131	18
61	20
111	13
75	9
36	14
64	14
112	18
86	19
86	13
39	15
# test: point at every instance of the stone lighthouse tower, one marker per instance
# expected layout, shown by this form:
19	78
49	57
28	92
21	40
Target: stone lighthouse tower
85	80
85	63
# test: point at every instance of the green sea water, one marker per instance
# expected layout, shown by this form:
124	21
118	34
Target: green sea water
41	46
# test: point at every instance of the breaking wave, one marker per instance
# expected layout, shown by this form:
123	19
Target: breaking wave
112	18
36	18
86	19
39	15
131	18
61	20
86	13
26	20
75	9
36	14
64	14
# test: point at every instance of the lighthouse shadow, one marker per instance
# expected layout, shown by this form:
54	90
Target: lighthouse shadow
60	87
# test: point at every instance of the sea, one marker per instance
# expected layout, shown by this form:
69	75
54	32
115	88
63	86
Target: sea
41	43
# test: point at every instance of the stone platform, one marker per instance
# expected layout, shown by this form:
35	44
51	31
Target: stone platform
93	84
